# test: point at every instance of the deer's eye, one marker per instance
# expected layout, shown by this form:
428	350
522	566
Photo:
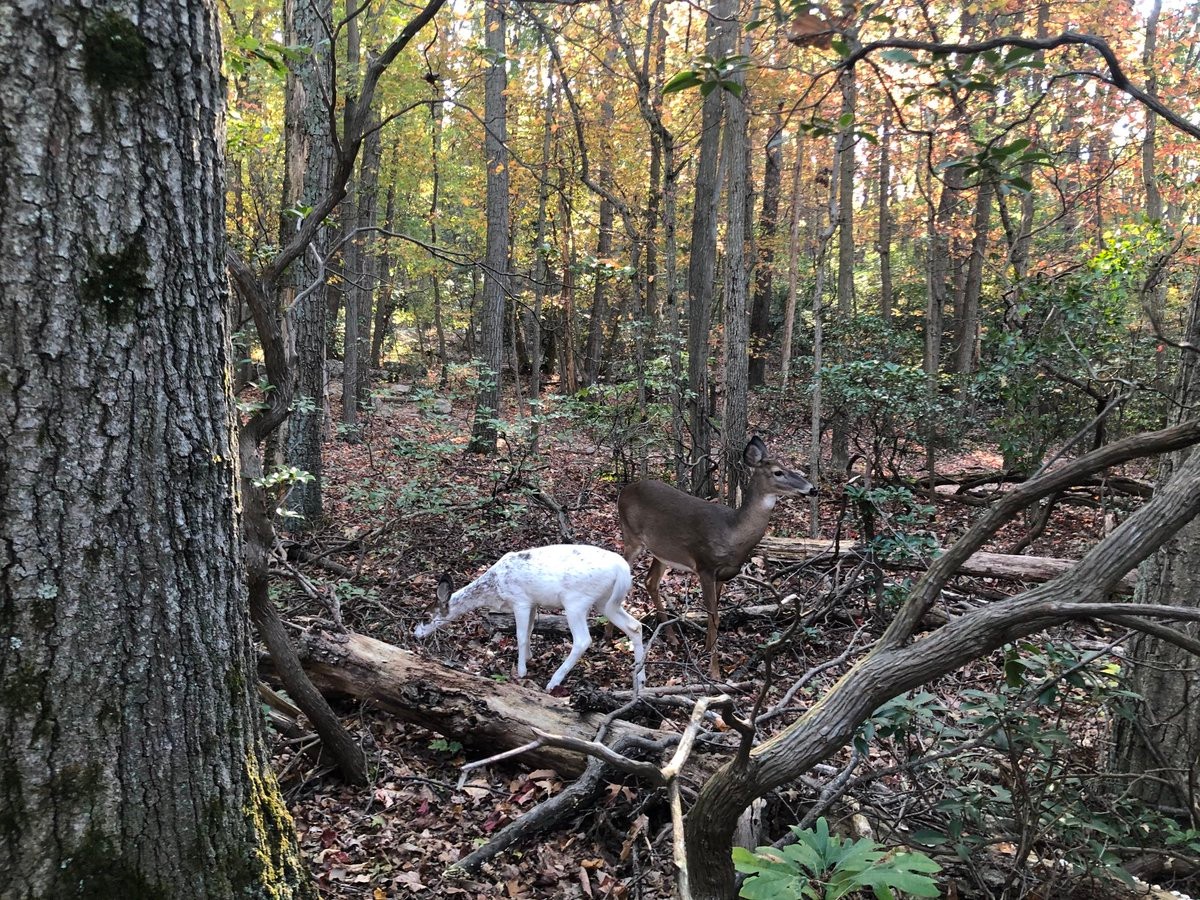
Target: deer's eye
778	473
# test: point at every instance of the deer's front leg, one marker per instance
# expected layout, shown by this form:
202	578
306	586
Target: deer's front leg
711	589
523	619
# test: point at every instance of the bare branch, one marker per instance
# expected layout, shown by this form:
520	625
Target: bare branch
927	589
595	749
1116	75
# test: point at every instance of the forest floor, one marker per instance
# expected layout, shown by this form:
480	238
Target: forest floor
408	503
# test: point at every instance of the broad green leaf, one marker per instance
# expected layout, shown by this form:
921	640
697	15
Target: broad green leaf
897	55
681	81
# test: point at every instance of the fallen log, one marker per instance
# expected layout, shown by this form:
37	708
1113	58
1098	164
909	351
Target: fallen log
485	716
1001	566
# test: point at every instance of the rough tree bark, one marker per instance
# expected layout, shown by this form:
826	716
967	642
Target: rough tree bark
884	234
352	365
604	240
737	325
764	280
839	461
973	288
310	159
703	253
487	401
132	761
365	291
1154	204
789	315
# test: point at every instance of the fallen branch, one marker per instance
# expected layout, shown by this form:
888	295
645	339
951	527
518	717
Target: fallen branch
981	564
483	715
549	813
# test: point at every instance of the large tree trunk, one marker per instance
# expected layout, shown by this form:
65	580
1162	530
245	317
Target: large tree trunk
604	240
364	292
764	280
386	293
1161	745
1154	204
839	462
737	325
541	270
703	253
309	161
487	402
789	315
131	750
352	365
973	288
884	237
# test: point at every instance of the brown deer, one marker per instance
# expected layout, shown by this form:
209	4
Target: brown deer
693	535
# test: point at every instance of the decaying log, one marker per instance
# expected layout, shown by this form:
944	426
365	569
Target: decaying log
981	564
483	715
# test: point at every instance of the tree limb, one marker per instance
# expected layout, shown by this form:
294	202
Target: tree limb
1116	74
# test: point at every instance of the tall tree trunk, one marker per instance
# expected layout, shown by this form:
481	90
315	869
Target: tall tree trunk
604	239
385	282
839	461
365	291
820	251
351	256
737	325
703	253
310	158
566	300
1154	204
764	281
541	269
132	756
884	246
1021	238
487	402
973	287
789	315
435	127
663	178
937	293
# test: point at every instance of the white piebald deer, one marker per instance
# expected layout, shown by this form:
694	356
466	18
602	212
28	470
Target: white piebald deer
693	535
576	578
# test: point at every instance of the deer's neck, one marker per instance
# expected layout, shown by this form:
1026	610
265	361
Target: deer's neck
752	518
476	595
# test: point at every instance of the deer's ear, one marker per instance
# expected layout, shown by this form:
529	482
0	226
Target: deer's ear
445	588
755	452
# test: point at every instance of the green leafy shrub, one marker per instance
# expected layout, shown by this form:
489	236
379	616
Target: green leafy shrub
887	408
821	866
